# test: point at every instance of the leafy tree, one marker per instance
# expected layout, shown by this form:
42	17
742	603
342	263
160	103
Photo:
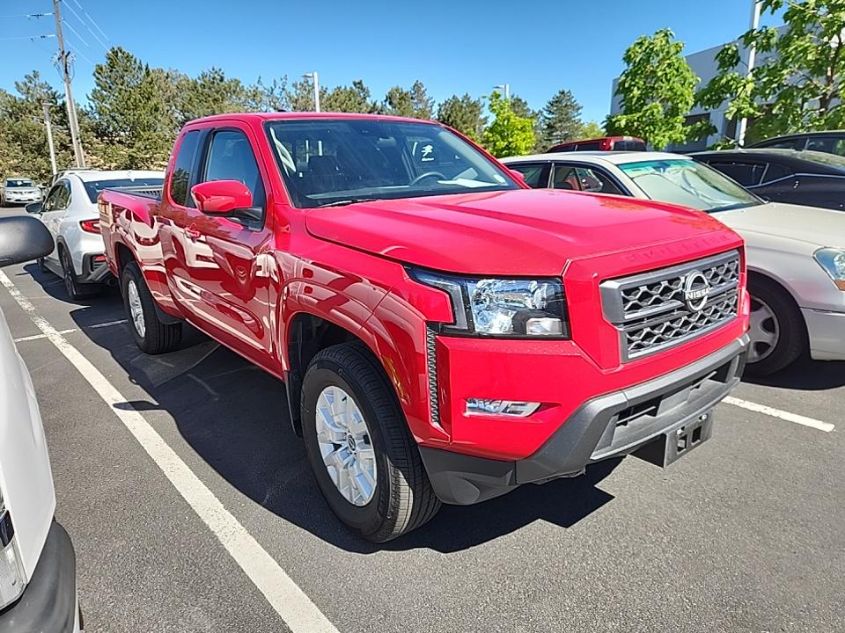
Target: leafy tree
133	108
657	89
560	119
591	129
211	92
300	95
798	84
509	134
354	98
23	137
465	114
410	103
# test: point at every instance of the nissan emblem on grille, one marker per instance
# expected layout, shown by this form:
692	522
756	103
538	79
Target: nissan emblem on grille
657	309
696	290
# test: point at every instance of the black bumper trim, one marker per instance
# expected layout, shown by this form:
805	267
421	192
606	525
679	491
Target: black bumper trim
49	601
594	432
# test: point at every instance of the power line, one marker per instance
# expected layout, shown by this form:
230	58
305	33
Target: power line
25	15
87	15
82	22
28	37
75	32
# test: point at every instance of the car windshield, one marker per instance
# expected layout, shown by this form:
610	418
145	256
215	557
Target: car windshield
18	182
94	187
335	162
688	183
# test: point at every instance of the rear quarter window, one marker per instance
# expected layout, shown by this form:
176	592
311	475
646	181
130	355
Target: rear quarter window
181	178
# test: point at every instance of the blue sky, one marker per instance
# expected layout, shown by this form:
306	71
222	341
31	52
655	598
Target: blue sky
452	46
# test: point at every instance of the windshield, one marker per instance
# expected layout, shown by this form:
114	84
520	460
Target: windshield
18	182
688	183
325	161
94	187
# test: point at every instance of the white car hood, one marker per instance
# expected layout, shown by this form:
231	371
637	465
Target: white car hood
25	474
813	226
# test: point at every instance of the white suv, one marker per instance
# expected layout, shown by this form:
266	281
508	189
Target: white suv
70	213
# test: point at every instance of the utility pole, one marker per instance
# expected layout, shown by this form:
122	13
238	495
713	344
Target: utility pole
506	90
50	136
64	61
742	126
315	77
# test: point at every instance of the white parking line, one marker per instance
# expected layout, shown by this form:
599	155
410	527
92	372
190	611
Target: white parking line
827	427
289	601
36	337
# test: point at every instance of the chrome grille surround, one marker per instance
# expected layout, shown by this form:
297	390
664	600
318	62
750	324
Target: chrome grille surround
650	310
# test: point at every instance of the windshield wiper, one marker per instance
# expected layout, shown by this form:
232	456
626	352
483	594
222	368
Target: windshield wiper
343	203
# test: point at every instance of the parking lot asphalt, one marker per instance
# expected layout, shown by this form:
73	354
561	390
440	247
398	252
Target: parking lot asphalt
747	533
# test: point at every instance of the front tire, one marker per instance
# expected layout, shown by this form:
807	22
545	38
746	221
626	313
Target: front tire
151	334
777	330
365	461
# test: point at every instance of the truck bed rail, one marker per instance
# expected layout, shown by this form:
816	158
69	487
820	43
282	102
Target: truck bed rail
141	190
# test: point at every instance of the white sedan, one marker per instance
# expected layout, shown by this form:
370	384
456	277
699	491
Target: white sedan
796	254
70	212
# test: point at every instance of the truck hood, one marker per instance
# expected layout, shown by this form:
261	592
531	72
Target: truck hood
789	222
525	231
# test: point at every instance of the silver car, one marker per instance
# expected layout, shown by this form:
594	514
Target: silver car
70	213
20	191
795	254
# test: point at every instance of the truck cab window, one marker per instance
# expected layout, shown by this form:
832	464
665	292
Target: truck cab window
230	157
181	178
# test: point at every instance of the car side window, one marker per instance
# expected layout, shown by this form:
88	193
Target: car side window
536	175
59	197
776	172
230	157
745	173
792	143
596	181
180	180
821	144
565	178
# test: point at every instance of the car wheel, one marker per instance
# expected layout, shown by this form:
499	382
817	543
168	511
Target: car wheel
74	289
365	461
151	334
777	331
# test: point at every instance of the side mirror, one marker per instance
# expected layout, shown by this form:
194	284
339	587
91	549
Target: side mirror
34	207
221	196
517	175
22	239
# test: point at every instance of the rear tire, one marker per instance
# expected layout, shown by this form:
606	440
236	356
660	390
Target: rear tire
151	334
74	289
778	333
402	498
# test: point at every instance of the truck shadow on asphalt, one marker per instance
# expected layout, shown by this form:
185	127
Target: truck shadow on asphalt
235	417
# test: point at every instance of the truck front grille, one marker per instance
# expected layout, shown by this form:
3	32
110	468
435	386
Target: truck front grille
666	307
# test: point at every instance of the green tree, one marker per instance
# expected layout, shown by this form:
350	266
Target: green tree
465	114
509	134
413	103
23	136
300	95
657	91
133	108
354	98
591	129
560	120
798	84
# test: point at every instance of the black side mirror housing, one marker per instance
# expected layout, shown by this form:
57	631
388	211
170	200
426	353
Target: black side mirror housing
34	207
23	239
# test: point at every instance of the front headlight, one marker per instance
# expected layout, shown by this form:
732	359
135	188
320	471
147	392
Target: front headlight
506	308
833	261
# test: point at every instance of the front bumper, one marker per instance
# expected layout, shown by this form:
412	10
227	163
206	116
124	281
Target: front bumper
49	601
607	426
827	334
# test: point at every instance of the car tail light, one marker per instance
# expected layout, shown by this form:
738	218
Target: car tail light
12	577
90	226
99	259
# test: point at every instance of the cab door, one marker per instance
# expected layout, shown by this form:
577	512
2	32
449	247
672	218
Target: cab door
222	276
52	213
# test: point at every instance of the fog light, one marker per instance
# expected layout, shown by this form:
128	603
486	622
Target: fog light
516	408
12	578
544	326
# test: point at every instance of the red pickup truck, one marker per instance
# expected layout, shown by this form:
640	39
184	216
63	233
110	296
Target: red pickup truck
444	333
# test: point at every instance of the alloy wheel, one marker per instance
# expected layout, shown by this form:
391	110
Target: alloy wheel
136	310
